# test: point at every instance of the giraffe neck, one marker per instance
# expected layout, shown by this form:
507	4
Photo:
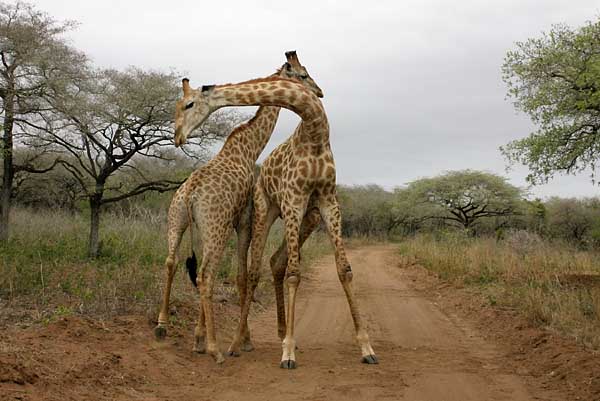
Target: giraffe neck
282	93
249	139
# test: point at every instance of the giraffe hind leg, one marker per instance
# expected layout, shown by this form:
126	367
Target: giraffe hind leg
177	224
332	219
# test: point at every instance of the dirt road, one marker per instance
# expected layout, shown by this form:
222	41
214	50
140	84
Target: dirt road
424	353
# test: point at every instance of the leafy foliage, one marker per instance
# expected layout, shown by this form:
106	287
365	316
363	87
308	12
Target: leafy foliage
556	80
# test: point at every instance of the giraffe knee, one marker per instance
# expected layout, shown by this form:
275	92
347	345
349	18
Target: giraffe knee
345	274
293	279
253	278
170	262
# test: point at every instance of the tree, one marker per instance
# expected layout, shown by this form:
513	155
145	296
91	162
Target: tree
367	210
103	127
33	57
462	197
573	220
556	80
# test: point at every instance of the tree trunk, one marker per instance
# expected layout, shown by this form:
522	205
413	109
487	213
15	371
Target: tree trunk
94	240
95	205
9	172
5	196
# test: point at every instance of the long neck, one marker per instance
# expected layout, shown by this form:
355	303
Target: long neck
249	139
278	92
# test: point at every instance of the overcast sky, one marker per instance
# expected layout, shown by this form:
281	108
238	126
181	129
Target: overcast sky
412	88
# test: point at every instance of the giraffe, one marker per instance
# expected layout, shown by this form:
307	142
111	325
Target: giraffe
298	182
222	188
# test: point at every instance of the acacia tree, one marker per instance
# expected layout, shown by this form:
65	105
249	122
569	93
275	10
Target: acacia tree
556	80
462	197
33	57
103	126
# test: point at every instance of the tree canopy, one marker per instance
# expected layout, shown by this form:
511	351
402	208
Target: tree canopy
460	197
555	78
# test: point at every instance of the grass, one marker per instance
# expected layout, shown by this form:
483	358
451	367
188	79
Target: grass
552	284
45	273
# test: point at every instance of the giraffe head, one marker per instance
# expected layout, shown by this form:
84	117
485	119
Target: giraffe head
196	104
191	110
292	69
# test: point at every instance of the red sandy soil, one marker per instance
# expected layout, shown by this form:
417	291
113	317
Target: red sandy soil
434	342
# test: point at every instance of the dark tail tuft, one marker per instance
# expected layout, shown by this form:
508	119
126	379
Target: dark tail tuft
191	264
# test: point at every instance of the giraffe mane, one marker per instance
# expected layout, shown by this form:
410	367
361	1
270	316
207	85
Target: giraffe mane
270	78
273	77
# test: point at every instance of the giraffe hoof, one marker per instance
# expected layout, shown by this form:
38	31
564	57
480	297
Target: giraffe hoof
233	353
160	332
247	347
370	359
289	364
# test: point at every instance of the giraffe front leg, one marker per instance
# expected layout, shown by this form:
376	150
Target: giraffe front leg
330	212
279	263
292	219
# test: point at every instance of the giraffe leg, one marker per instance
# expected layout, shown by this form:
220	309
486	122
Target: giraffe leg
211	257
177	224
279	263
244	232
292	217
332	218
264	216
200	332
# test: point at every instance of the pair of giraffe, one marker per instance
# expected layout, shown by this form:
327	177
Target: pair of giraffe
297	183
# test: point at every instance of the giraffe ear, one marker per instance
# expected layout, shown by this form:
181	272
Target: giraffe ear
287	66
186	86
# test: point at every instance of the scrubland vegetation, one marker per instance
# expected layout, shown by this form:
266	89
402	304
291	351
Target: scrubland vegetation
552	283
45	270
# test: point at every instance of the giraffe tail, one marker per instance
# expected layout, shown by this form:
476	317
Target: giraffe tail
191	265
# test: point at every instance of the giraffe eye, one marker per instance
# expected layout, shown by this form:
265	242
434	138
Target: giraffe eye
304	76
189	105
